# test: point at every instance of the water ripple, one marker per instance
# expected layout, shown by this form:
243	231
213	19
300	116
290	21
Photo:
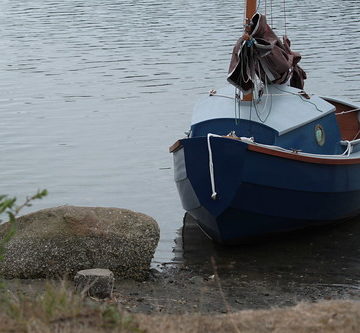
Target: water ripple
93	92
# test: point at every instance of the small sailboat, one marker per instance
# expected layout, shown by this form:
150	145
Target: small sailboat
262	155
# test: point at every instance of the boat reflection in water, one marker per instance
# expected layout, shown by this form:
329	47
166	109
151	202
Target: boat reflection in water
325	258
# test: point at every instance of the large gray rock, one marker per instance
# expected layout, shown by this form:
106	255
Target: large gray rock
60	241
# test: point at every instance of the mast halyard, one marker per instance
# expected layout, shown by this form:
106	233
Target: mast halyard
250	10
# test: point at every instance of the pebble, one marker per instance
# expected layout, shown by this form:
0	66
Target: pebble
96	282
196	280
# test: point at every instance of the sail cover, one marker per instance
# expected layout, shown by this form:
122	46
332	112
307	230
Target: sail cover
264	56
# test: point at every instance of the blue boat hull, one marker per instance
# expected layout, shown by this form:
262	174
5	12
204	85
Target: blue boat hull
260	194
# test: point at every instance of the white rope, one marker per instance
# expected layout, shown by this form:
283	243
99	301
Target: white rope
349	145
345	112
213	93
211	165
347	151
251	141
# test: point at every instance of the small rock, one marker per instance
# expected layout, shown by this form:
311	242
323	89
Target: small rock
95	282
134	294
196	280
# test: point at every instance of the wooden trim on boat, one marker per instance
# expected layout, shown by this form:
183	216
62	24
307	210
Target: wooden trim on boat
176	146
302	158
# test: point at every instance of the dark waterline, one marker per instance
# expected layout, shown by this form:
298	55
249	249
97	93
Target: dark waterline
93	93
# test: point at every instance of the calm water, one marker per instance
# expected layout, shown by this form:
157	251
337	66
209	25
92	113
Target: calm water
92	93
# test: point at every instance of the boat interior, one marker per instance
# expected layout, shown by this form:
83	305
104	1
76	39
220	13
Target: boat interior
347	119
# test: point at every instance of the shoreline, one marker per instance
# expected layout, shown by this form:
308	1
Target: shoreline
173	302
209	279
178	291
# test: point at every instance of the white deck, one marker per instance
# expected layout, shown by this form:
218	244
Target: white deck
288	110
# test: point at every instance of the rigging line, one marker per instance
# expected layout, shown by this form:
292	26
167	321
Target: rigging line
267	98
285	17
301	97
239	108
266	88
268	94
239	104
357	134
220	95
345	112
268	114
346	153
266	8
235	108
250	122
258	6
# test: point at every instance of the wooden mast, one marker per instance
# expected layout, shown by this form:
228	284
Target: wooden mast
250	10
251	6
